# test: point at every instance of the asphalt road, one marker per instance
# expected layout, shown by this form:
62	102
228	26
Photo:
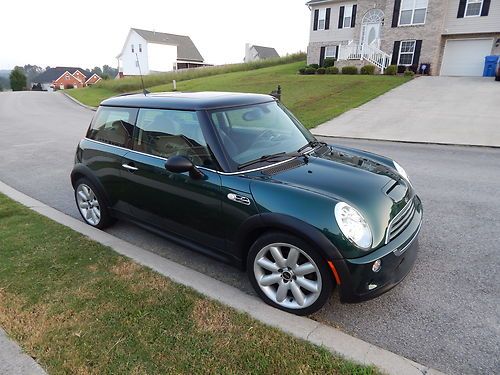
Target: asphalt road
444	315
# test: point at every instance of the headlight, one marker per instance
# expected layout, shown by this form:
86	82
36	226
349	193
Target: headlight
401	171
353	225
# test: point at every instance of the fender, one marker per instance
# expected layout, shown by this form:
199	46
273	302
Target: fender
80	170
253	226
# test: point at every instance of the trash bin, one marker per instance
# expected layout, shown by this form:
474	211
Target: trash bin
490	63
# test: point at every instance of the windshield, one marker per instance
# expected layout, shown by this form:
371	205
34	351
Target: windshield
252	132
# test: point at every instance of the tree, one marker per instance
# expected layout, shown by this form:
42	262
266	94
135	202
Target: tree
17	79
32	71
1	88
97	71
109	71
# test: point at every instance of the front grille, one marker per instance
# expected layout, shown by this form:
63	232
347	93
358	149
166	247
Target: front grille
400	221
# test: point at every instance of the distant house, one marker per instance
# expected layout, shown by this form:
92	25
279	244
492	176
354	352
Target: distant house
64	77
253	52
147	52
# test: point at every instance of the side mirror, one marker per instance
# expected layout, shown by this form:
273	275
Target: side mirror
181	164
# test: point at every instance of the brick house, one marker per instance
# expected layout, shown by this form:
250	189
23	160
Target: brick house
64	77
92	80
446	37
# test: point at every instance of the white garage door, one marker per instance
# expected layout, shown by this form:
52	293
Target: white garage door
465	57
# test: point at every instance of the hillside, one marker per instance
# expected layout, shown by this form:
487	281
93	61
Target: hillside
313	99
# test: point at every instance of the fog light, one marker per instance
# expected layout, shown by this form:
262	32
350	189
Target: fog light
377	265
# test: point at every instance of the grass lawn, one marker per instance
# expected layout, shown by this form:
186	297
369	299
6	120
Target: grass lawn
313	99
79	308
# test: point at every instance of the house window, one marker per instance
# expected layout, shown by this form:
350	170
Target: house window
473	8
406	52
66	77
322	19
347	16
132	47
137	63
330	51
412	12
140	47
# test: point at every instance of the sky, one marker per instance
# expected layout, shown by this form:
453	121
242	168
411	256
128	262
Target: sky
92	33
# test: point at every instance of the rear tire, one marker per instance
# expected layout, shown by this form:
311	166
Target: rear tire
287	273
91	204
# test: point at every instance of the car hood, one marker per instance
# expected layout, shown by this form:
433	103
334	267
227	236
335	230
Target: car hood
339	174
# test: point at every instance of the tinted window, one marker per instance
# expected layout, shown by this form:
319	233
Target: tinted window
167	133
114	126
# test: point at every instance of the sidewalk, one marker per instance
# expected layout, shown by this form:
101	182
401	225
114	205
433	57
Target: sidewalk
13	361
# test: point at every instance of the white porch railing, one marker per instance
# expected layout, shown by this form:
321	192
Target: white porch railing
368	52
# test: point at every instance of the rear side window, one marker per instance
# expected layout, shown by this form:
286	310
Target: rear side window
167	133
114	126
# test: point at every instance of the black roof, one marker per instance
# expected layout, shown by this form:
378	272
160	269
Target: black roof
52	74
187	100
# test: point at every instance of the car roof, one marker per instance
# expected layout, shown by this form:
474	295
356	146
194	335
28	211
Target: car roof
187	100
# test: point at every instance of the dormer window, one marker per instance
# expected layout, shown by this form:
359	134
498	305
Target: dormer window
473	8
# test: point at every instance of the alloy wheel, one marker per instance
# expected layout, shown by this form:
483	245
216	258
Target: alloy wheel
287	275
88	204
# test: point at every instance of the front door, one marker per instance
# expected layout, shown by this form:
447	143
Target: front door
372	34
174	202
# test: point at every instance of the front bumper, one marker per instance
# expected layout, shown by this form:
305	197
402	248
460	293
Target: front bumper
358	282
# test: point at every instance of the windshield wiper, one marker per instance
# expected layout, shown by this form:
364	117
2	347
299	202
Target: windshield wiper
265	158
311	144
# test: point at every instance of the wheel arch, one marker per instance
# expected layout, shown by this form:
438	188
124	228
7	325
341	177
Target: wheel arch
259	224
81	171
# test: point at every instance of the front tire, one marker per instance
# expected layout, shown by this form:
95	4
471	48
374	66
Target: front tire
92	205
287	273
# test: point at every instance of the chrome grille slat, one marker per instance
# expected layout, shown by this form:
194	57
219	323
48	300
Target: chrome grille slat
400	221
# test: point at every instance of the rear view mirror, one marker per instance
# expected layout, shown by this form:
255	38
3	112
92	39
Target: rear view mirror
181	164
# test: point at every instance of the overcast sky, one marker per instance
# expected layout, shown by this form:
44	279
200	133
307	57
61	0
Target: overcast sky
91	33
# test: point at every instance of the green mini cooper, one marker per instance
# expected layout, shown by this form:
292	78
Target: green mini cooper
237	176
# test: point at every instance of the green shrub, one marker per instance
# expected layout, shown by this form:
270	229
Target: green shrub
368	69
409	73
332	70
302	70
391	70
314	66
349	70
329	61
320	71
310	71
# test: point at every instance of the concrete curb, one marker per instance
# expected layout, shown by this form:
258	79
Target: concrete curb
402	141
78	102
13	361
304	328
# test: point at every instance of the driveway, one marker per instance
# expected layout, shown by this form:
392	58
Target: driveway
444	314
450	110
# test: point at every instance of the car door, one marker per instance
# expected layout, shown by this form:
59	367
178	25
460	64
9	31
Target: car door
108	139
174	202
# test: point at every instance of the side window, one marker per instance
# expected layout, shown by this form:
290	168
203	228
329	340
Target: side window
114	126
167	133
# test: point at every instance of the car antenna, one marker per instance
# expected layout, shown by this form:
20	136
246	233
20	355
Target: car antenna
144	91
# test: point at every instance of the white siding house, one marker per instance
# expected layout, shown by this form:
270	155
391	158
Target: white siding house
150	51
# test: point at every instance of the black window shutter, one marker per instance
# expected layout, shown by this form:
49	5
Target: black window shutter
353	19
486	8
416	54
327	18
461	8
395	15
341	17
395	53
337	52
322	56
316	17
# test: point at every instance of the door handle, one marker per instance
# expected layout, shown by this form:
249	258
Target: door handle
129	167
